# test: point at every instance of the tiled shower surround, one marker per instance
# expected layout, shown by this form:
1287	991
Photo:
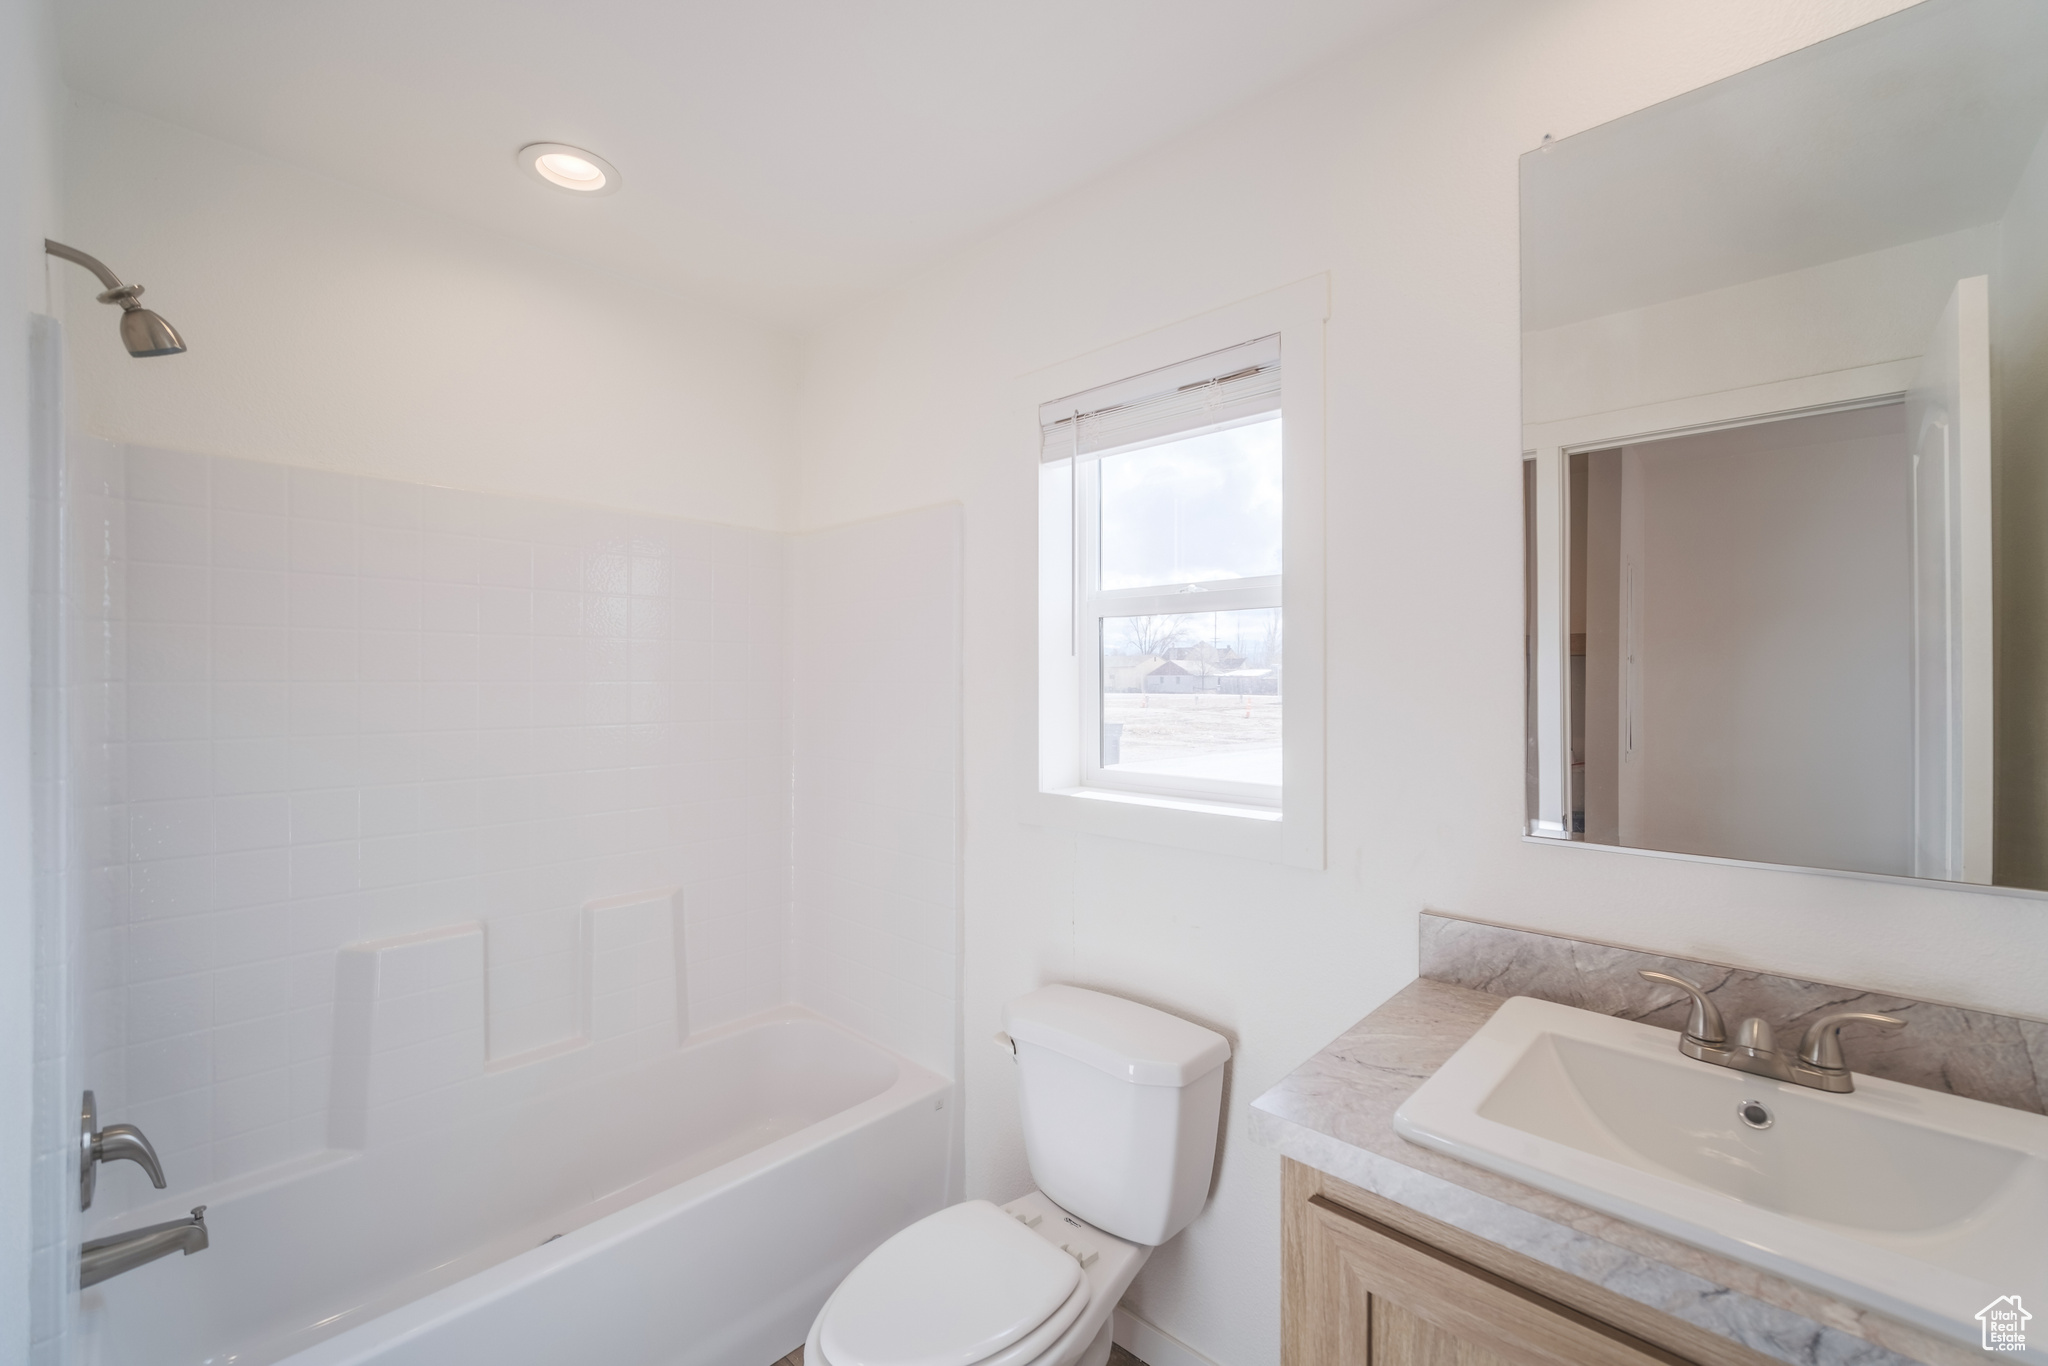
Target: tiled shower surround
875	655
311	711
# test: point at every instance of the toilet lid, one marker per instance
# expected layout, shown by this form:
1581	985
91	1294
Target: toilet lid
951	1290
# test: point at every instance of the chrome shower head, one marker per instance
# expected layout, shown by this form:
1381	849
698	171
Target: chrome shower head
143	332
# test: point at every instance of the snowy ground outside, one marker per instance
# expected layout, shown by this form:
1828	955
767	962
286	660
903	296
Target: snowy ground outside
1207	735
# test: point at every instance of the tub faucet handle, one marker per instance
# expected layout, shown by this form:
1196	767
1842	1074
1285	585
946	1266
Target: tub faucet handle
114	1143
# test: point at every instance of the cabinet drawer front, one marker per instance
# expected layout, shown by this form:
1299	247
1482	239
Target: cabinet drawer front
1400	1302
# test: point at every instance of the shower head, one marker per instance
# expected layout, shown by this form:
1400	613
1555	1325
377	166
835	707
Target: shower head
143	332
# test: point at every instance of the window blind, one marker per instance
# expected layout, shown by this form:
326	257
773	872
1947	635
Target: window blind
1222	389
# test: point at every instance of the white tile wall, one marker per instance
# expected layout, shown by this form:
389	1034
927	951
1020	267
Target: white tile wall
408	1022
639	775
875	653
408	1029
327	711
410	1038
636	999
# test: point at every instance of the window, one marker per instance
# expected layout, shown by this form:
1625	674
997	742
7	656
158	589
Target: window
1180	583
1175	480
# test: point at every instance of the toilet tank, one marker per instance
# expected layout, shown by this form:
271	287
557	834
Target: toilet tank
1120	1105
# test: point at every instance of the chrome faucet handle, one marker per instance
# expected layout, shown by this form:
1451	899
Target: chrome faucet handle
1822	1045
126	1143
115	1143
1704	1025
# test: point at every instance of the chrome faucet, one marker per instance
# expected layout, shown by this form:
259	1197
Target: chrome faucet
1817	1064
102	1258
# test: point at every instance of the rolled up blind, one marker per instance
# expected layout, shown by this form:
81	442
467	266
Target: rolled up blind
1210	393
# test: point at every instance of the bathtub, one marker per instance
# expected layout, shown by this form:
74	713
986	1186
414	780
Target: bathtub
693	1211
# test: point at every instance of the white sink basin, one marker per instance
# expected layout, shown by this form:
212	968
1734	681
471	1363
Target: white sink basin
1921	1205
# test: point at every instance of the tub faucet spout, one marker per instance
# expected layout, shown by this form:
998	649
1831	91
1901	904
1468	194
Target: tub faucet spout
103	1258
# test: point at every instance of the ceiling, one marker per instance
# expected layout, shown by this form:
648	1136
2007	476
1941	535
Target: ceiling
783	155
1907	128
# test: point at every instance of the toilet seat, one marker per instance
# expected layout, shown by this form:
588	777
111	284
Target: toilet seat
968	1286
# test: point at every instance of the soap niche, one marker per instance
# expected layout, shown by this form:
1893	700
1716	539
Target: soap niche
416	1029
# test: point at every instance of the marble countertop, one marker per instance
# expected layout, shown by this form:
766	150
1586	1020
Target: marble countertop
1335	1113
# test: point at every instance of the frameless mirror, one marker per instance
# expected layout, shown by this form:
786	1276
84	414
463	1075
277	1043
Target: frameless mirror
1785	430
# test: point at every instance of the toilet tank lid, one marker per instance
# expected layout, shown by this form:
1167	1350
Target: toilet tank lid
1129	1041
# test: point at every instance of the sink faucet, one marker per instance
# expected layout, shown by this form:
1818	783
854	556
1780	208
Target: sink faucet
1818	1063
103	1258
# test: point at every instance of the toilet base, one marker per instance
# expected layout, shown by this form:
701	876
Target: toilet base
1098	1350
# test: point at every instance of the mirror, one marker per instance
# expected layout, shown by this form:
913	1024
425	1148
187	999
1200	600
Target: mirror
1785	431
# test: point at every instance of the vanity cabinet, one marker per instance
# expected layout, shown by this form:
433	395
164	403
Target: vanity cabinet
1368	1282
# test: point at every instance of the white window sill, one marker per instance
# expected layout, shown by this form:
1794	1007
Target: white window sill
1106	794
1255	832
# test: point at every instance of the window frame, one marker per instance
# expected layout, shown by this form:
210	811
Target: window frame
1097	603
1069	791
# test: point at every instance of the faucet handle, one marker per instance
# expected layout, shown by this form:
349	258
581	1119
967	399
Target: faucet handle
1704	1025
1822	1045
114	1143
126	1143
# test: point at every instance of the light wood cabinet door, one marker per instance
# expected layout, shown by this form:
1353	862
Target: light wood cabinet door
1366	1294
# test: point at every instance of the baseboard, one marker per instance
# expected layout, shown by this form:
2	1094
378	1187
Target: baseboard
1151	1345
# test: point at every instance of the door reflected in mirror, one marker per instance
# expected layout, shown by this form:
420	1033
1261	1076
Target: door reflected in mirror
1785	375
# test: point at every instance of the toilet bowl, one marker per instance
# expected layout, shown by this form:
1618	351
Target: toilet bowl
1023	1284
1120	1104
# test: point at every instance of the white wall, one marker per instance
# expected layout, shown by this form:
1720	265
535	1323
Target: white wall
28	213
333	328
1395	170
1774	644
1862	310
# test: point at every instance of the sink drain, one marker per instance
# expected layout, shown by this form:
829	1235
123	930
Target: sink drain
1755	1114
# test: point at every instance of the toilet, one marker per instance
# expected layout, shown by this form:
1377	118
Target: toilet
1120	1105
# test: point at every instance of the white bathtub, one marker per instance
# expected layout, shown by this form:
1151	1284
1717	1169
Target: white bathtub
694	1211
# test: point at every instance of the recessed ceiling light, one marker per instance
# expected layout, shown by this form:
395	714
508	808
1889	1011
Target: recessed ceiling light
569	168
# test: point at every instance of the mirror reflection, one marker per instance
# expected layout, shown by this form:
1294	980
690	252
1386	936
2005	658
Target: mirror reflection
1785	376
